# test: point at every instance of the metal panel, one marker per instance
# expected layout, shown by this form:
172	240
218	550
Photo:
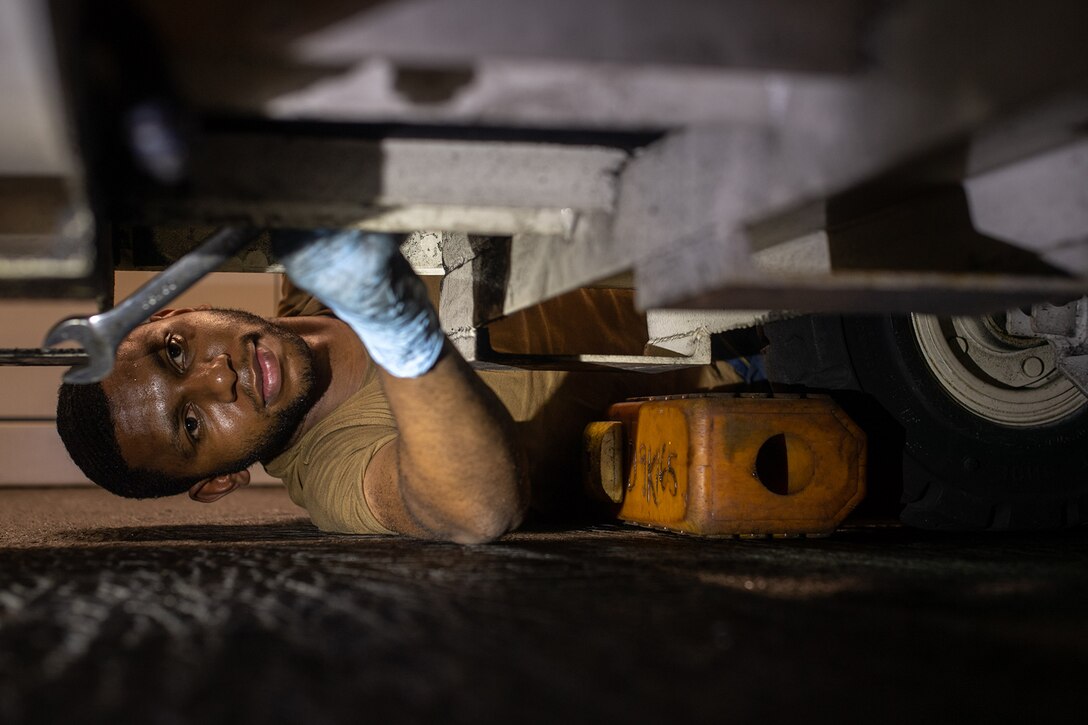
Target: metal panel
46	235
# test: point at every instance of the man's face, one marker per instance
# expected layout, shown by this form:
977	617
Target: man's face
205	392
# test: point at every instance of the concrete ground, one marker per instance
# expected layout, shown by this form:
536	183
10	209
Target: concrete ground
173	612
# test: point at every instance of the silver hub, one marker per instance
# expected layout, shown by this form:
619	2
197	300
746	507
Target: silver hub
1008	379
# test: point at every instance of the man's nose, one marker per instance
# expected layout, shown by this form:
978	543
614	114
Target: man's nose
216	378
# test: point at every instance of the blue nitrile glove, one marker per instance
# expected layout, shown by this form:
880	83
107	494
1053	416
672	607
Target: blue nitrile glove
368	283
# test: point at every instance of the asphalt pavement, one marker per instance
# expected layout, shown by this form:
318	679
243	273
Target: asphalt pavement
174	612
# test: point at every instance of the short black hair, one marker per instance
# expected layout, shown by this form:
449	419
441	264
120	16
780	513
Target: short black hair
86	426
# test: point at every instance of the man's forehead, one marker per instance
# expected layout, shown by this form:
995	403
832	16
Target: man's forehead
137	343
138	394
133	353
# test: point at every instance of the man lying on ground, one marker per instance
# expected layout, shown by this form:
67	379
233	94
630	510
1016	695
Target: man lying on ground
370	416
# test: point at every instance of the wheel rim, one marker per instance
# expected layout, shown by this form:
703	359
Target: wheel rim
1003	378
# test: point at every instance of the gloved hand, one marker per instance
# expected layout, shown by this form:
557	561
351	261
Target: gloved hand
368	283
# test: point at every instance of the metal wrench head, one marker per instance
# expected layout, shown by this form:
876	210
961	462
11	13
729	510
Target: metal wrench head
100	347
101	334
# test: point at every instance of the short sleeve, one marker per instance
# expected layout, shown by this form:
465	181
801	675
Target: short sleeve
324	471
331	479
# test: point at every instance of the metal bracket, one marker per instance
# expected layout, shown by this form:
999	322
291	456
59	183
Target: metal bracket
1065	327
473	294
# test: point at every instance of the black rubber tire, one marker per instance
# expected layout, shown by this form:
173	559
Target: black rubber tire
960	472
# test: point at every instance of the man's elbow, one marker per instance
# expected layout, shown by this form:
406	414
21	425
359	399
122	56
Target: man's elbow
472	536
476	515
489	524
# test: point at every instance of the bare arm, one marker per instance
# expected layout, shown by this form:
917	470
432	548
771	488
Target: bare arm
453	473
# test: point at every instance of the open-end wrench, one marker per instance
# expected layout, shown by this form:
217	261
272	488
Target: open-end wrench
101	334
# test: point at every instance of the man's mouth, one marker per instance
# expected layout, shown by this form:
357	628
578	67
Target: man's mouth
269	375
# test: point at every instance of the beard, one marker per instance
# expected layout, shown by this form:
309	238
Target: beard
285	423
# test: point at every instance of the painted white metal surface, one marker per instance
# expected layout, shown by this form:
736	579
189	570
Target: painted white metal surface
32	138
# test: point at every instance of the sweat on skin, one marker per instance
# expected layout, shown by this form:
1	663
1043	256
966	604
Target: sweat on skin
208	392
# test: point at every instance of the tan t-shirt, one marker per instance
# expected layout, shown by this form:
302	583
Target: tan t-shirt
324	470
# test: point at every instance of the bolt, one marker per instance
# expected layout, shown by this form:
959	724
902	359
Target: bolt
156	142
970	464
959	342
1032	367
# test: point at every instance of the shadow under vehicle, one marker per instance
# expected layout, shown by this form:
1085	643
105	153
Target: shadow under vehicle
894	196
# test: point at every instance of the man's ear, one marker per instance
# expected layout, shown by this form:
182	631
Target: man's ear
213	489
171	312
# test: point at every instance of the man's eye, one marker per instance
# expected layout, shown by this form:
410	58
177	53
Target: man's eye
175	352
192	425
